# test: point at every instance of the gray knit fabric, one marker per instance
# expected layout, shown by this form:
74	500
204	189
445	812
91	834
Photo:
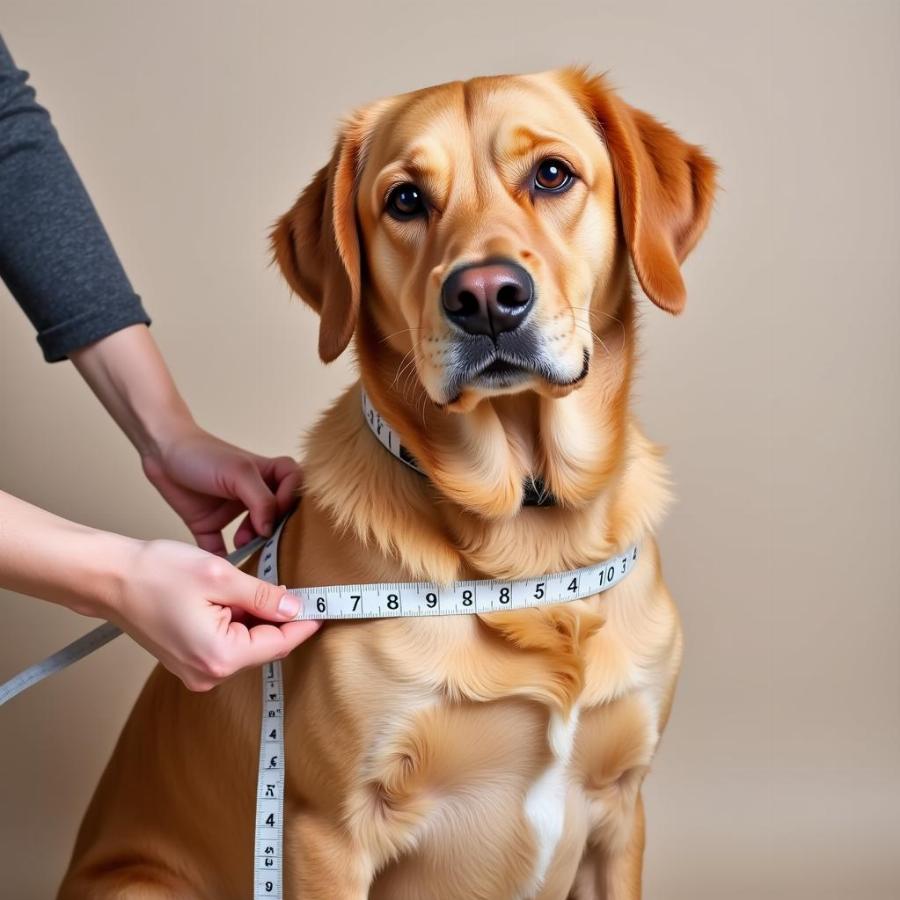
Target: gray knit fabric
55	255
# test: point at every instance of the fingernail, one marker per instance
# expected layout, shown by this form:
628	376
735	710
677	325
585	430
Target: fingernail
267	529
288	606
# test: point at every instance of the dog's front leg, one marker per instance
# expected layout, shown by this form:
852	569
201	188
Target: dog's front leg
323	863
616	875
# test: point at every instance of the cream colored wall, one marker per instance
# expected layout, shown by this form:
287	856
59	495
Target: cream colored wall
194	124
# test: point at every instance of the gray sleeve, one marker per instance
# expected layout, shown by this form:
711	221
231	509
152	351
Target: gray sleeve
55	255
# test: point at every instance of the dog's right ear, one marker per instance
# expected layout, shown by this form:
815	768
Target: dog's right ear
316	243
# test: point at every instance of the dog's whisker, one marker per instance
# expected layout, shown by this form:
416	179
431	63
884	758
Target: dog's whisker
403	363
409	359
409	330
594	335
407	372
600	312
410	366
597	337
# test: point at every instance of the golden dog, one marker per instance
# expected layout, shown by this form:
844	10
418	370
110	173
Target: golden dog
475	241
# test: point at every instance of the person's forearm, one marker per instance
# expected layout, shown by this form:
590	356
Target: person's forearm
129	376
206	480
176	600
49	557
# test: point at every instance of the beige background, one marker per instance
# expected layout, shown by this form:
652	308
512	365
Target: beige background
194	124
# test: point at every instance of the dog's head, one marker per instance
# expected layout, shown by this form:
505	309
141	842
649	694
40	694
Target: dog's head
479	227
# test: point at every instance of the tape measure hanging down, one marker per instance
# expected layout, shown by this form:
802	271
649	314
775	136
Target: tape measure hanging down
269	831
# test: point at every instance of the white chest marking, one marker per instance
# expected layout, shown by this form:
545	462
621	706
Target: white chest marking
545	802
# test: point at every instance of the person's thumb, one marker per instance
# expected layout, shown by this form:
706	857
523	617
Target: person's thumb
263	600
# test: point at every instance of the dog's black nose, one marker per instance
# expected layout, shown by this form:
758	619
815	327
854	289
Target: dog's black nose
488	297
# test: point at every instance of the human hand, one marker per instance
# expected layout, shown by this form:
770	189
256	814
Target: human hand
209	482
195	613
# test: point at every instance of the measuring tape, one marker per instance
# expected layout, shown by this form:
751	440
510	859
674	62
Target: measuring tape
382	601
421	598
269	831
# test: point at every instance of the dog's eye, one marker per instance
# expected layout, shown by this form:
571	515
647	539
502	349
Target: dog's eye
553	175
406	202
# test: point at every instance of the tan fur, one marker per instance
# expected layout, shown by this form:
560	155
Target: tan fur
413	744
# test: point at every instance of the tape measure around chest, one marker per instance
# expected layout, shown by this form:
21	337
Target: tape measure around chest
380	601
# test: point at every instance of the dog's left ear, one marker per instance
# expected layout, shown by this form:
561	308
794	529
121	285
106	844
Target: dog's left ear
665	188
316	243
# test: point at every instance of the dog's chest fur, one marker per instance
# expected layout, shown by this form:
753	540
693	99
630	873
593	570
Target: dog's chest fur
452	730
